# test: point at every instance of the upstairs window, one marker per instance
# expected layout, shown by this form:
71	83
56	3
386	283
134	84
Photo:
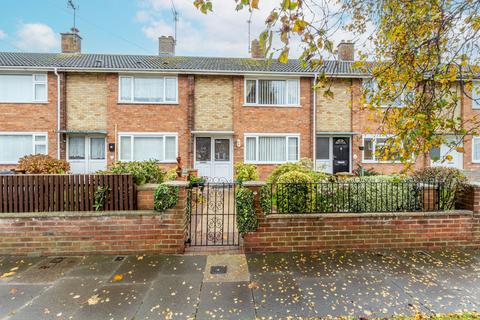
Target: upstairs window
272	92
476	95
476	149
401	97
23	88
145	89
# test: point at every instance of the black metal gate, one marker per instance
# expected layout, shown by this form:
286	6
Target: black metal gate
212	214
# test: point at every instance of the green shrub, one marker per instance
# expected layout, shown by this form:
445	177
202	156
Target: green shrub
294	192
165	197
246	172
171	175
143	171
450	182
246	217
41	163
266	198
360	171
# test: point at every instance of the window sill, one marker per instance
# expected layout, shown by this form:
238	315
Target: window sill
26	102
270	163
271	105
162	162
148	103
380	162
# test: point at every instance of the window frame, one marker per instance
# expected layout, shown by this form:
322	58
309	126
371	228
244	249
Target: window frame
287	136
384	106
133	135
34	143
132	88
256	104
34	82
374	137
473	149
475	101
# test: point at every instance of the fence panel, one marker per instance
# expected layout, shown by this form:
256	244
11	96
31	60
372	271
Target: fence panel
73	192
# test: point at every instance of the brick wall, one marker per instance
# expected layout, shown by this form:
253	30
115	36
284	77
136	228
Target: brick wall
213	103
284	233
249	119
33	117
79	233
334	114
471	116
86	101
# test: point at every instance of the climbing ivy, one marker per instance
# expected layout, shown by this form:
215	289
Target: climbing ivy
165	197
246	217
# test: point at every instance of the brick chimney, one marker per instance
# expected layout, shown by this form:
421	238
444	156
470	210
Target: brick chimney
346	51
166	46
256	50
71	42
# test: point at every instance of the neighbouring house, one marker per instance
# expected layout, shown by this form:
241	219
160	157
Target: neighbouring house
95	109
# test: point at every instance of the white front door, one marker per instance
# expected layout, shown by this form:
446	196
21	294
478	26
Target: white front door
86	154
213	158
445	156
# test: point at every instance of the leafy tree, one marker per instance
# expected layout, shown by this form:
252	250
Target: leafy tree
423	56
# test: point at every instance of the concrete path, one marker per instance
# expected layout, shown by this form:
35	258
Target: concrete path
273	286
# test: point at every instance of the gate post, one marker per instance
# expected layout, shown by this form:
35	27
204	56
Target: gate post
256	186
177	218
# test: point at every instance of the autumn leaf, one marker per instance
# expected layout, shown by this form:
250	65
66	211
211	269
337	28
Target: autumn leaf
93	300
253	285
117	277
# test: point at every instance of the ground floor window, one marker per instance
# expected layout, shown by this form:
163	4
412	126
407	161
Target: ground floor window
13	146
476	149
375	149
148	146
272	148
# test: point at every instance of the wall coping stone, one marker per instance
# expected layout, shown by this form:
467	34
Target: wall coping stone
254	183
369	215
177	183
78	214
147	186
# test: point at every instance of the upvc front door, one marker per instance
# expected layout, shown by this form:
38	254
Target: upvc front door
445	156
213	157
333	154
86	154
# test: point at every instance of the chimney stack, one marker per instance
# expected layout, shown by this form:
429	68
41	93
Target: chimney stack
346	51
256	50
71	42
166	46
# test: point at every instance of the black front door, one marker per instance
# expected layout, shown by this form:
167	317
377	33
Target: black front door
341	155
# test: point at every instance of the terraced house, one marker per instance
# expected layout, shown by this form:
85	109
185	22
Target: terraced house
95	109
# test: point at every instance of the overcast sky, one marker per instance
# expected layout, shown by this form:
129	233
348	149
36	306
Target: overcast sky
130	26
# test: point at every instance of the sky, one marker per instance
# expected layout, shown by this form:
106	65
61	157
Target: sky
133	26
128	26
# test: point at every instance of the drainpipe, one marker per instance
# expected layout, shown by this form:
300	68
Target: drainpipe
58	112
314	120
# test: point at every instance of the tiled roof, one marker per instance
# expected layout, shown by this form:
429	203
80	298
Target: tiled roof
158	63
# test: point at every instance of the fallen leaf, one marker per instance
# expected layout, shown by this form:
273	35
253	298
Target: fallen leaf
7	274
117	277
13	291
253	285
93	299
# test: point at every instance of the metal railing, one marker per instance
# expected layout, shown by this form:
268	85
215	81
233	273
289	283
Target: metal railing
358	196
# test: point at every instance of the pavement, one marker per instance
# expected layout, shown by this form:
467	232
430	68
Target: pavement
237	286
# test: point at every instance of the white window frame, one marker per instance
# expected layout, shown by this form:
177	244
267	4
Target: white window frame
132	88
245	103
475	102
34	82
34	143
385	106
374	145
134	135
258	135
473	149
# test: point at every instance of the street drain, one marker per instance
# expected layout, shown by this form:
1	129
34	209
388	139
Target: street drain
119	258
218	269
57	260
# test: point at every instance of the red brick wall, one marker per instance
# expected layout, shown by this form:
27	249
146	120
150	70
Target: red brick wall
272	120
122	117
36	117
75	234
471	117
284	233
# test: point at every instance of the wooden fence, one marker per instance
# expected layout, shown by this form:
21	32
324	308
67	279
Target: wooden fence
65	192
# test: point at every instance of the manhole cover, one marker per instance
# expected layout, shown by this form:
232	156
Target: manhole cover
218	269
119	258
57	260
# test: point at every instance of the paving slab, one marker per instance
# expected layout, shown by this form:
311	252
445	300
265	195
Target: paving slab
113	302
179	264
46	271
138	269
14	296
236	268
226	300
95	266
59	301
10	267
172	297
